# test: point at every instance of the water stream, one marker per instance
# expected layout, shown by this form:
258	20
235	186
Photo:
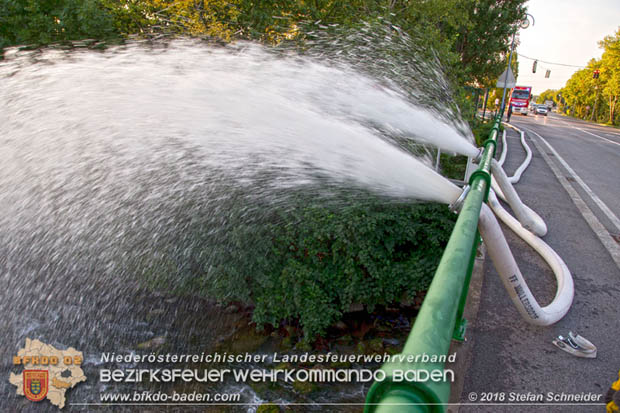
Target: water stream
111	160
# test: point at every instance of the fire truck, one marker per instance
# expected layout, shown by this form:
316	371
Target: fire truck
520	99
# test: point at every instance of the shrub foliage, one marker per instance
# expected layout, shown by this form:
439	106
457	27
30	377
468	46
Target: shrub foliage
324	259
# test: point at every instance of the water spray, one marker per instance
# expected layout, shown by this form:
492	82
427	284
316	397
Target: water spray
116	147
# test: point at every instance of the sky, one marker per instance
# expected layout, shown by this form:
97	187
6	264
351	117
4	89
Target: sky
565	31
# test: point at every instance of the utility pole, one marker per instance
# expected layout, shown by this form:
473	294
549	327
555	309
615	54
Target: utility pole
512	48
593	117
595	76
525	23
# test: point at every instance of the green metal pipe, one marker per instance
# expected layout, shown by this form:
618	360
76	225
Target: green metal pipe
427	346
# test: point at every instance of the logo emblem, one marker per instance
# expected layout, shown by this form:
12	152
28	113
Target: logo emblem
36	384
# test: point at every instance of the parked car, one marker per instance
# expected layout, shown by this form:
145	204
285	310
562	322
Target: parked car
541	110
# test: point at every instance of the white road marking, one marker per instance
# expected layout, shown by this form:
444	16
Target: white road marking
593	134
603	235
604	208
601	129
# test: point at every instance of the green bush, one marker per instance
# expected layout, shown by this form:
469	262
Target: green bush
323	259
453	166
481	131
35	23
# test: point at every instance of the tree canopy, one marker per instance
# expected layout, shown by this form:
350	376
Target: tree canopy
595	98
471	37
549	94
31	22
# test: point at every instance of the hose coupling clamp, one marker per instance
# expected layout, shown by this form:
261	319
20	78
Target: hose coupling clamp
458	204
478	157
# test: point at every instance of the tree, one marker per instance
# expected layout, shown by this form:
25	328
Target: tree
31	22
582	91
549	94
132	16
579	91
610	71
470	37
483	42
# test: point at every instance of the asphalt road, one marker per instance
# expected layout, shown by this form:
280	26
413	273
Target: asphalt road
592	151
578	202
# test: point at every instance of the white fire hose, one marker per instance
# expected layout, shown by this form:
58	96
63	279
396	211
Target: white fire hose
509	272
528	217
502	156
528	158
528	227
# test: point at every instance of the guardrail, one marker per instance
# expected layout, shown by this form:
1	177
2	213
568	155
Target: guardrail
440	318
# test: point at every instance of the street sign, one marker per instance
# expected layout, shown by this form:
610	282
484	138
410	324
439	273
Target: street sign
506	79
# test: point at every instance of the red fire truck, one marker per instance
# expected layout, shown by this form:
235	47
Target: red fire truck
520	99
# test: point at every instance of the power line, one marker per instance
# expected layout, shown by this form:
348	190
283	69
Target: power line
551	63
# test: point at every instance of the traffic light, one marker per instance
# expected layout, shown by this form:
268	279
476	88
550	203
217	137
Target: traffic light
534	66
548	73
596	74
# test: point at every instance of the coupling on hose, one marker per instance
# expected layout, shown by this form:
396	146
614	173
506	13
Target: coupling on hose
478	157
458	204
